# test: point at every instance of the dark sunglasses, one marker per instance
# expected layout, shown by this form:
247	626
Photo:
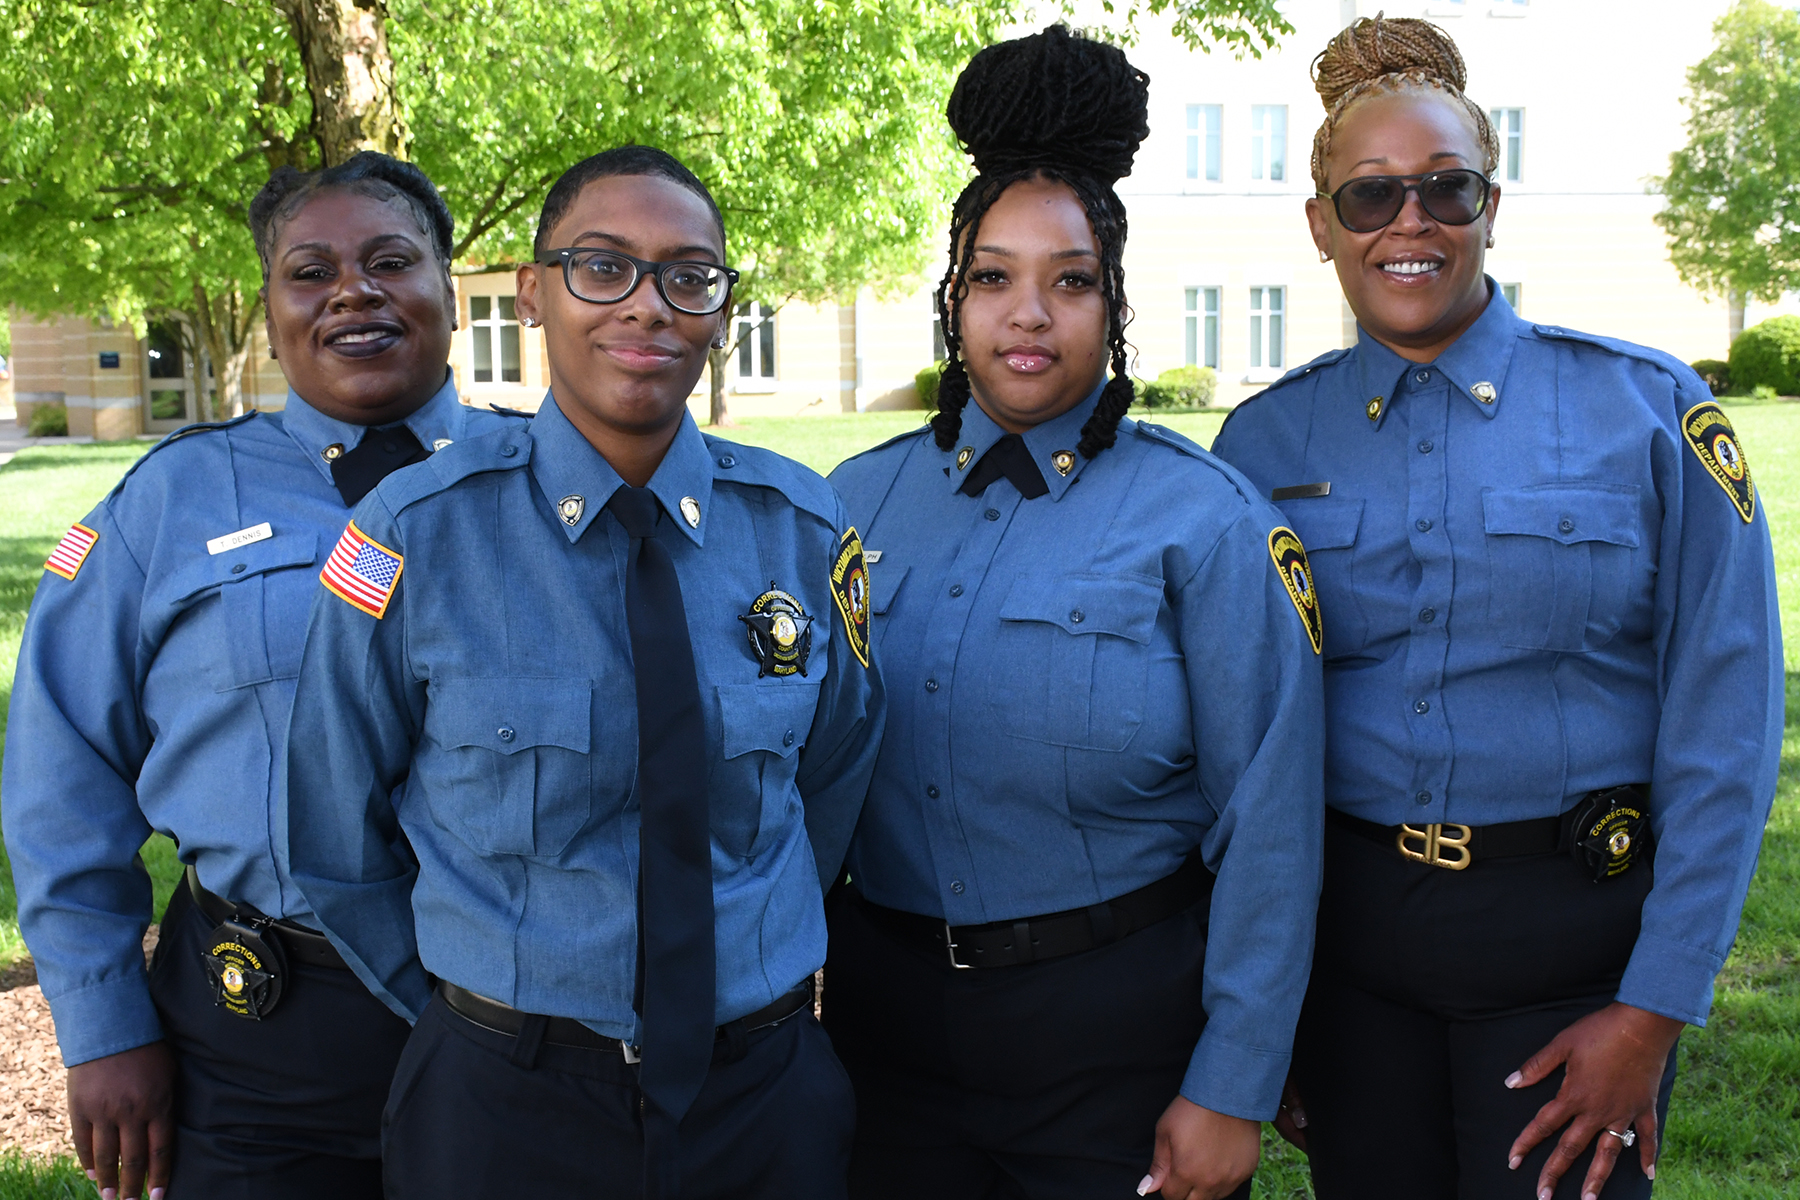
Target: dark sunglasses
1371	202
607	277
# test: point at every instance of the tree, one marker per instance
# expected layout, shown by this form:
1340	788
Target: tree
1732	210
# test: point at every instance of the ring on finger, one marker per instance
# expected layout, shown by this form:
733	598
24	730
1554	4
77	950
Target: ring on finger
1629	1137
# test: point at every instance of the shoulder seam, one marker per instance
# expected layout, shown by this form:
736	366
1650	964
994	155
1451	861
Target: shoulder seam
186	431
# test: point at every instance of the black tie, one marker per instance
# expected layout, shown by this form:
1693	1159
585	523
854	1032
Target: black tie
380	453
675	898
1010	458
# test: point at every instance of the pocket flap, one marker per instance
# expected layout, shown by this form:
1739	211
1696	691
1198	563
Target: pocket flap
1324	523
509	715
771	715
1567	513
1122	605
246	562
884	585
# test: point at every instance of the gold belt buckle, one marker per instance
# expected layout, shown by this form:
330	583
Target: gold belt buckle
1433	841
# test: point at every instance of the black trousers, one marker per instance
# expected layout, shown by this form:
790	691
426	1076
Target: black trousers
1042	1081
465	1119
1429	988
289	1106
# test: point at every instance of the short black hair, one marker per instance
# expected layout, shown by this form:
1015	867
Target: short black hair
621	160
366	174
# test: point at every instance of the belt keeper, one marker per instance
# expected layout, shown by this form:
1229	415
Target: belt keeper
737	1040
1021	932
1106	930
530	1038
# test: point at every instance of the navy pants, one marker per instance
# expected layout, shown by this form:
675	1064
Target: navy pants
1042	1081
465	1119
1429	988
288	1106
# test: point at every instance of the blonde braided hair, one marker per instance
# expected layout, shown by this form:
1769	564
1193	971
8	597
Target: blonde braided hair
1374	56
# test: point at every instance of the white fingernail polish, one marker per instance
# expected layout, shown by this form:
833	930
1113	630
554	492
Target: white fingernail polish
1144	1185
1514	1080
1651	1173
1512	1164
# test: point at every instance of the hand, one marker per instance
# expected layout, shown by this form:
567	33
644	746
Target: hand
1290	1122
1613	1064
1201	1154
122	1116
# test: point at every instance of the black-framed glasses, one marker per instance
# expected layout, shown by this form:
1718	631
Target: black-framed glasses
607	277
1370	202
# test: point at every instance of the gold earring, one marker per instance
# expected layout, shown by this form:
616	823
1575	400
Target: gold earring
1490	244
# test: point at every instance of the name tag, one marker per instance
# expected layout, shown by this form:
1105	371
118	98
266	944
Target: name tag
243	537
1301	491
871	557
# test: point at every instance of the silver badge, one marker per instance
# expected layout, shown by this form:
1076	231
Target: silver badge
1484	392
690	509
332	452
1063	461
963	456
571	508
440	443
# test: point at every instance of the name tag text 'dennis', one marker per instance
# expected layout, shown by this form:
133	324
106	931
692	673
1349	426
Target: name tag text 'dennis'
243	537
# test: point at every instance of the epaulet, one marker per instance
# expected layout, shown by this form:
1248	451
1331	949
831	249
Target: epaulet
1168	437
453	464
510	412
1623	349
186	431
1300	372
878	447
805	488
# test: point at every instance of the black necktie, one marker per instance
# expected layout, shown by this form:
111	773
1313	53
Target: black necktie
380	453
675	898
1010	458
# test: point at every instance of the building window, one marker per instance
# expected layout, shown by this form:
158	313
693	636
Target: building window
495	325
1509	126
755	341
1267	306
1202	320
1205	132
166	364
1511	292
1268	142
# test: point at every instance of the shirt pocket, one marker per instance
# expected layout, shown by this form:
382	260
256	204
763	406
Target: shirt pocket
884	585
762	728
264	598
1074	652
509	772
1560	563
1329	529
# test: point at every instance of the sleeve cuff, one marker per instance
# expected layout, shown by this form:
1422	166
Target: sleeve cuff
1670	979
1237	1080
104	1018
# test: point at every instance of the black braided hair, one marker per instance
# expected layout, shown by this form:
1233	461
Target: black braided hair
1059	106
369	174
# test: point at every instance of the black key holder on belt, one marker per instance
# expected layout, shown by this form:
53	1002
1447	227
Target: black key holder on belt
246	970
1610	826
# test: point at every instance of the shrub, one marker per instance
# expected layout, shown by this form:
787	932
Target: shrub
1178	387
1716	374
1769	355
1763	391
926	382
48	420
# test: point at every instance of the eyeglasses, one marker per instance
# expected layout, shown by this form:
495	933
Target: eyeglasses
1370	202
607	277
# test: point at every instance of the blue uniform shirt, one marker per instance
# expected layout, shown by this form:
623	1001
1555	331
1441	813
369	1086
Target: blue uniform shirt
488	719
1534	586
1086	686
153	691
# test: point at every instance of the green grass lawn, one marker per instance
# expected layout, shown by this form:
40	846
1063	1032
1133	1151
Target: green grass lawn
1734	1133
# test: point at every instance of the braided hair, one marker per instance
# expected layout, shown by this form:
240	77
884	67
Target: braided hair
1370	57
1058	106
366	174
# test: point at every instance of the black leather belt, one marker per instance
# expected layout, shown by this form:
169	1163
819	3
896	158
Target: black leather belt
1053	935
566	1031
301	943
1455	846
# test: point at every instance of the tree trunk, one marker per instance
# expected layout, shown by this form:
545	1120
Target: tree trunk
1734	316
715	370
349	76
225	325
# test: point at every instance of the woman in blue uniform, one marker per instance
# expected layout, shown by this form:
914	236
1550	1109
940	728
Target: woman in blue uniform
1079	915
1553	679
153	690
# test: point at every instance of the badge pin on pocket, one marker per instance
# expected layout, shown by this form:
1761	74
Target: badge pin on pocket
246	970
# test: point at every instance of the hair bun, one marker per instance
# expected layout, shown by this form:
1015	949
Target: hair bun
1055	99
1370	48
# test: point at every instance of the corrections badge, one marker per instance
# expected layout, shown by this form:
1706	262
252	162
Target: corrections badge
850	588
244	969
780	633
1296	573
1715	442
1609	829
72	551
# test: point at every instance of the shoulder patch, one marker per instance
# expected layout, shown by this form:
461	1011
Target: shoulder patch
72	551
753	466
850	589
1714	442
362	572
1296	575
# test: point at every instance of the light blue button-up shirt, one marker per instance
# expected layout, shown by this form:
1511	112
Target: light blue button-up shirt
1533	587
1085	687
153	692
462	769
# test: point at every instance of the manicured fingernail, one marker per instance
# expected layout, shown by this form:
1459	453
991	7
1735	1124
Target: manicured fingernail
1512	1164
1514	1080
1651	1173
1144	1185
91	1176
156	1194
108	1194
1590	1196
1543	1194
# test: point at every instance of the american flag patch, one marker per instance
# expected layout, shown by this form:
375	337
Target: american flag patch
362	572
72	551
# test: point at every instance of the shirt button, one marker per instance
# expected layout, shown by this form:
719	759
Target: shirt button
1422	707
726	460
1422	377
1566	525
237	568
1424	447
1428	615
506	733
787	739
956	589
956	885
1423	797
931	685
508	451
931	790
992	514
1076	616
1422	525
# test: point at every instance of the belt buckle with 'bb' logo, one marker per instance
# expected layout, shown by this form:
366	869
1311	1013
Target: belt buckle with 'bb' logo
1433	841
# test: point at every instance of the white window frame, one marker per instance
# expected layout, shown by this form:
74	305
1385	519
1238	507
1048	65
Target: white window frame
1200	320
1509	8
1514	294
1446	8
1268	143
1509	127
1204	143
748	325
491	330
1267	327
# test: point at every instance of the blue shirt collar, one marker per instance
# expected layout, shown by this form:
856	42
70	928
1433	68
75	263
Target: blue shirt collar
1052	444
436	423
1475	364
578	482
